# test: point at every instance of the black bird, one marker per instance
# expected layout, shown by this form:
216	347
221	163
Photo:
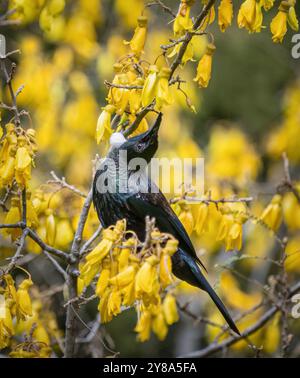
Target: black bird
133	203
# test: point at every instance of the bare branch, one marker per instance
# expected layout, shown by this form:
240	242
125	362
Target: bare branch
62	182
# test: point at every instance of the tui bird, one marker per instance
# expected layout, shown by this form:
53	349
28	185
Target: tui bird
134	204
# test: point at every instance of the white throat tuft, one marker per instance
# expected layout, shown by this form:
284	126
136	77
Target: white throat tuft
117	139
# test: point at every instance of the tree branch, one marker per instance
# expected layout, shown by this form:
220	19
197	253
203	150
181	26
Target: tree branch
214	348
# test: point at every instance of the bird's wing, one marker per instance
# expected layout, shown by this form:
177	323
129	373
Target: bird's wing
156	205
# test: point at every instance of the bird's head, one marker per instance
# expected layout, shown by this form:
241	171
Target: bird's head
144	145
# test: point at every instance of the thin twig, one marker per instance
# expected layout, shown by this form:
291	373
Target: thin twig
214	348
62	182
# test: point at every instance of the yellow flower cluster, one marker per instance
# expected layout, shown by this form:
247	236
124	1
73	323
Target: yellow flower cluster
285	138
250	16
19	316
14	303
16	156
130	92
228	219
45	10
130	274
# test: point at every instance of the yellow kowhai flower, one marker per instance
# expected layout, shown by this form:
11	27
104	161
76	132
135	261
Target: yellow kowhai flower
159	326
171	247
170	309
50	227
210	18
225	225
128	294
94	259
8	142
165	270
135	96
24	306
225	14
102	282
204	67
123	258
183	21
234	236
185	216
103	129
279	23
124	278
272	215
138	40
7	170
13	216
246	15
114	303
119	96
149	89
147	276
163	95
188	54
103	307
143	327
6	323
22	164
202	223
292	17
267	4
32	218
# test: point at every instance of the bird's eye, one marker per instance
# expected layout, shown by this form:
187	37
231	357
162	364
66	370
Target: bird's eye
140	147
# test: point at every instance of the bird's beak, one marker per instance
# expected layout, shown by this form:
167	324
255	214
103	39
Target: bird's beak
150	134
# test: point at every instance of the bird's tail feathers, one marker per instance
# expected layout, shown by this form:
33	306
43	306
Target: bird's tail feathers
204	285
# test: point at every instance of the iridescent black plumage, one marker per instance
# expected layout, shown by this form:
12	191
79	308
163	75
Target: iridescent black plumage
135	205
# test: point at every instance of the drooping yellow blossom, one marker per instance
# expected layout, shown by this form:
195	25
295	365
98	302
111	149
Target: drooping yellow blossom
292	17
50	227
150	86
6	322
103	130
183	211
250	16
210	18
32	218
135	96
102	282
7	170
272	215
138	40
114	303
118	95
204	67
170	309
143	327
13	216
202	221
147	276
225	14
183	22
231	228
279	23
188	54
268	4
93	260
22	164
159	326
24	306
163	96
